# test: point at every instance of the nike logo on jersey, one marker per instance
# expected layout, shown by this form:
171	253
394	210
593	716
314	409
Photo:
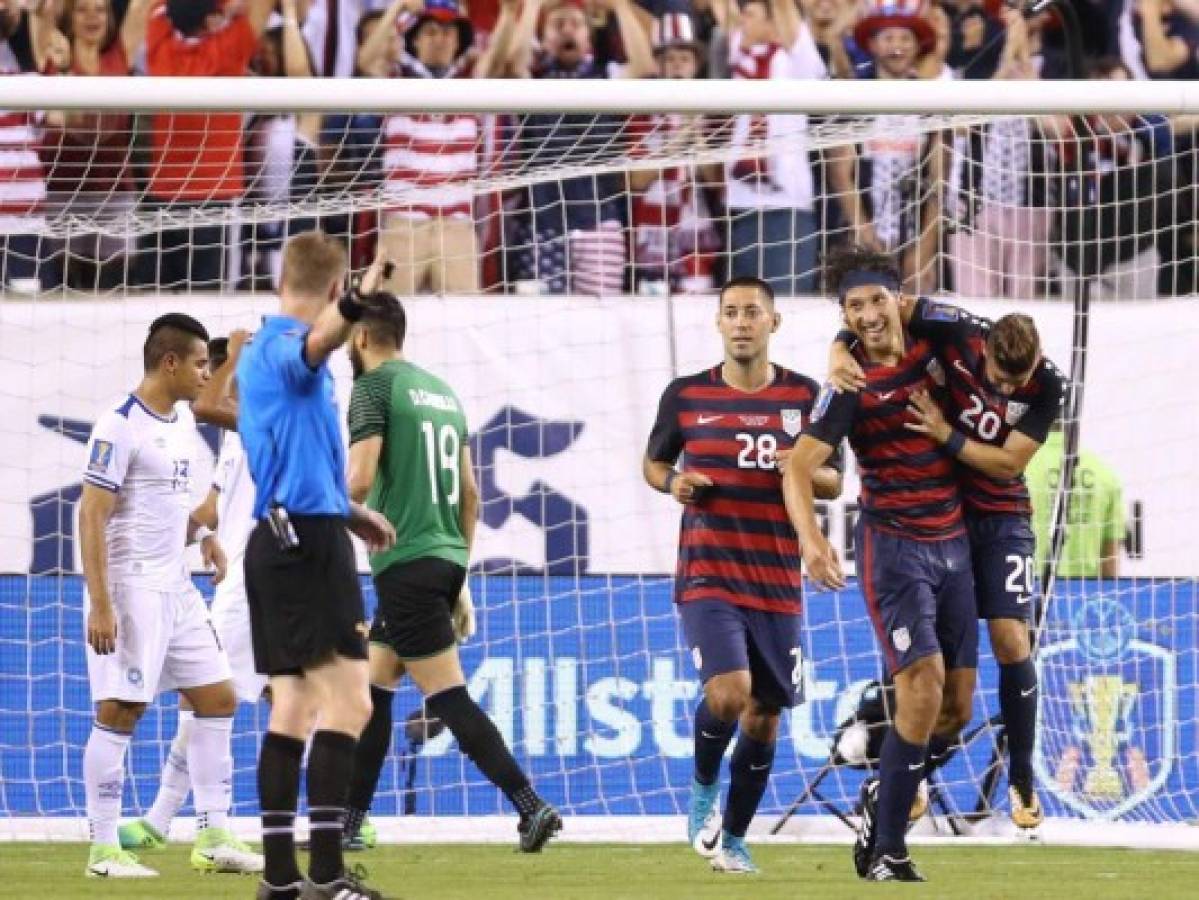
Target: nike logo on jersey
711	737
886	396
1032	690
915	767
1023	599
707	420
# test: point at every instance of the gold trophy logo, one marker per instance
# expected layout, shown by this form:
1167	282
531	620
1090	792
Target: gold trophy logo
1102	703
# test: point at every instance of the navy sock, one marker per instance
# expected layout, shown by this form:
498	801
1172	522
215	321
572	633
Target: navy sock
900	768
712	738
749	771
937	754
1018	704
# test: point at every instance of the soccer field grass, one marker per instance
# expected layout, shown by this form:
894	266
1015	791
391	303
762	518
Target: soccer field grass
667	871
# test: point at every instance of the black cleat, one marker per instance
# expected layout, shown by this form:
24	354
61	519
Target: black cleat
538	828
863	847
270	892
893	868
350	886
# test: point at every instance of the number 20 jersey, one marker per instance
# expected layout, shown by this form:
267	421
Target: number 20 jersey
737	543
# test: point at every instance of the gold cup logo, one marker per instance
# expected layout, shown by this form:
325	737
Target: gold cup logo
1102	702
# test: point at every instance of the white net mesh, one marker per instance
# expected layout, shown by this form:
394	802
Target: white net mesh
577	657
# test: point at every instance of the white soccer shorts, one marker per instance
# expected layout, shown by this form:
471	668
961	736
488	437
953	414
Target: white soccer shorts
231	618
165	641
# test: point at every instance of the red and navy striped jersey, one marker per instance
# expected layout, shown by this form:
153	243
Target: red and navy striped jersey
736	544
980	411
908	483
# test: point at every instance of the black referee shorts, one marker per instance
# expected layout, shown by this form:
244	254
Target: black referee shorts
416	599
305	604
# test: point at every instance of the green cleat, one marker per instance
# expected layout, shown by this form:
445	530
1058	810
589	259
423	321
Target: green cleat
141	835
217	850
368	834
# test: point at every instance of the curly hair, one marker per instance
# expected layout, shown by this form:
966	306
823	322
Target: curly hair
836	264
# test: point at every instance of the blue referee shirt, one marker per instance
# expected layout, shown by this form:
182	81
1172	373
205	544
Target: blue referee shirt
287	419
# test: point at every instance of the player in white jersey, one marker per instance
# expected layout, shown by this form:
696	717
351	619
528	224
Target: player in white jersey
148	630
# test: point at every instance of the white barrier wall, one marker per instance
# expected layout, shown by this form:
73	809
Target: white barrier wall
587	374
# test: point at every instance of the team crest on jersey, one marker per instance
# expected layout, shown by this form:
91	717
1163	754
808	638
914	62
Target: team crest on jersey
823	399
792	421
1113	696
935	372
101	457
901	639
134	676
1014	412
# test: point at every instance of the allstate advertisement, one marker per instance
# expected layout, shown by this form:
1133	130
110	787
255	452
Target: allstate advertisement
587	680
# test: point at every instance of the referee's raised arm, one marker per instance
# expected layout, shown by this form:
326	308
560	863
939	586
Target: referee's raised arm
307	617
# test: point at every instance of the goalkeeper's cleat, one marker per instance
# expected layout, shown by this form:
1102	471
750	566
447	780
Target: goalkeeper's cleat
920	803
108	861
287	892
1026	807
350	886
863	846
893	868
217	851
368	834
537	829
703	820
733	857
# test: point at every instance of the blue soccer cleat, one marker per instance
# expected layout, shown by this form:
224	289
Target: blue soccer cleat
733	857
703	821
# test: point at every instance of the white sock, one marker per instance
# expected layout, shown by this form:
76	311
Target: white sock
175	783
104	780
210	758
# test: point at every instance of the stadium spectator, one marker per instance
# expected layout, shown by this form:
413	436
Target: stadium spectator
674	237
771	199
568	234
1001	245
428	228
22	181
977	37
890	187
196	160
831	23
1116	213
1096	526
87	155
1166	39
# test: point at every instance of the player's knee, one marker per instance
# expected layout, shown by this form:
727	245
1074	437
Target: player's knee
218	700
955	715
119	715
761	722
1009	641
728	696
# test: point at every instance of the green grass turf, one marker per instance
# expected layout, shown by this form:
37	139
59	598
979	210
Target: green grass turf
658	871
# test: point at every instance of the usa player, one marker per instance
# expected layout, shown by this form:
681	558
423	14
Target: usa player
1003	398
147	627
738	586
228	509
910	545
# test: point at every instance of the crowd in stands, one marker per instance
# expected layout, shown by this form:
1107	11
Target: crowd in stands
1013	208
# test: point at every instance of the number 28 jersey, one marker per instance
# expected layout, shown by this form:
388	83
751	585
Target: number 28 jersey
736	544
418	485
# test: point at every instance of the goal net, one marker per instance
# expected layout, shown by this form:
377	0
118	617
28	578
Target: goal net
559	269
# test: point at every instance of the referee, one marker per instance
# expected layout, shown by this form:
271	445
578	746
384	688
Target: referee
307	619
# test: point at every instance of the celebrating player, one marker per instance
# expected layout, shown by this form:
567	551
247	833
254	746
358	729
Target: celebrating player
409	460
228	509
910	545
738	586
1003	398
147	627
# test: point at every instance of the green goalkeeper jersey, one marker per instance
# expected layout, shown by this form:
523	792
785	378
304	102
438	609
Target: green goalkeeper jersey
418	485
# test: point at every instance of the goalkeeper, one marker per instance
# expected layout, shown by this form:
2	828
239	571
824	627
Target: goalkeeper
410	462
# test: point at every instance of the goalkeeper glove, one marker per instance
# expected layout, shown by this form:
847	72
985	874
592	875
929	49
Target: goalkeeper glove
463	614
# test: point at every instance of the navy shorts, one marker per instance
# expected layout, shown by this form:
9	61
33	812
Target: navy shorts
1002	548
920	595
724	637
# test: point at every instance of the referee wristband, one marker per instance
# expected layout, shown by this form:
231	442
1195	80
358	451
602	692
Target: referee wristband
202	533
956	442
670	477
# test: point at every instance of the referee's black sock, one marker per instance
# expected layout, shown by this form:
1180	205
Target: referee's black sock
329	764
278	792
369	758
481	741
